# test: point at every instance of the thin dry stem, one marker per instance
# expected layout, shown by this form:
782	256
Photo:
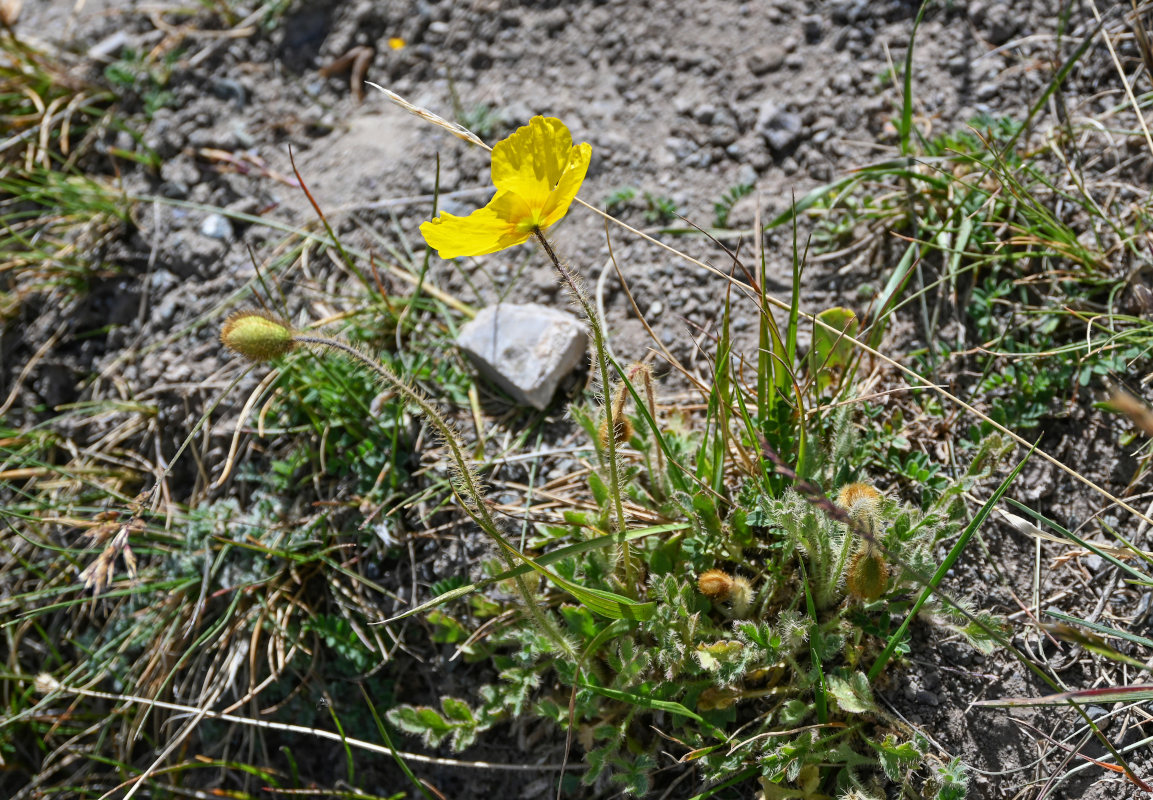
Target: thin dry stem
456	130
257	393
1124	79
46	683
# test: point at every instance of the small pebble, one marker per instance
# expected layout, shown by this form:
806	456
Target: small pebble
812	26
770	59
216	226
926	698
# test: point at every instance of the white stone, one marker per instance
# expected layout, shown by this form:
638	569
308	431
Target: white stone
216	226
525	349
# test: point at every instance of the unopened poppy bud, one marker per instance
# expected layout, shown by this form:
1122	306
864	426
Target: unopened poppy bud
863	503
854	493
256	336
721	587
715	584
740	597
868	574
622	431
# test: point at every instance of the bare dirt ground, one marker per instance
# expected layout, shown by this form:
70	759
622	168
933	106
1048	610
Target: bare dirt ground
682	101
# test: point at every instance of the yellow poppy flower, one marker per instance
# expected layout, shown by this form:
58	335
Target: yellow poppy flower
537	172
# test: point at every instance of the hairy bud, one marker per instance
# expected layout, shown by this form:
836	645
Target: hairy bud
740	597
715	584
719	586
868	574
256	336
863	503
622	431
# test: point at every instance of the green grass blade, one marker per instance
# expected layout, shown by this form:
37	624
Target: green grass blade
400	762
644	701
946	565
575	549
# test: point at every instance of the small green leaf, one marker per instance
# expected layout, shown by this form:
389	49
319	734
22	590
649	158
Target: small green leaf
445	629
406	718
420	721
895	756
706	508
645	701
832	349
853	695
463	737
433	721
579	620
578	518
457	710
599	490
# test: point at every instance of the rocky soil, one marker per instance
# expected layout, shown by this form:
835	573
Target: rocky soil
682	102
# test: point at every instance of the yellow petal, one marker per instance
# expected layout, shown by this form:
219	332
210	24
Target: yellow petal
532	160
484	231
519	215
537	173
570	183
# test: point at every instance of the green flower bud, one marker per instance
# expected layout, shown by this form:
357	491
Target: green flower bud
256	336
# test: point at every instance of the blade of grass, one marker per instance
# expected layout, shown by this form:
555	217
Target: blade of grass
397	756
568	551
954	553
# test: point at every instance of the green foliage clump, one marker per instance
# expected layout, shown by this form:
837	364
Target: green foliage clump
785	668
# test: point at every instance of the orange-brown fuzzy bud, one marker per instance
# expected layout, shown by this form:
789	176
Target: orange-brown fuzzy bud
863	503
854	493
715	584
256	336
719	586
868	574
622	431
622	426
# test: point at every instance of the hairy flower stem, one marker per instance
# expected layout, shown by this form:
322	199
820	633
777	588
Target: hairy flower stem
466	486
576	289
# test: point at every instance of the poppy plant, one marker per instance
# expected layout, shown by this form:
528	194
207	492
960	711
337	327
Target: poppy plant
537	172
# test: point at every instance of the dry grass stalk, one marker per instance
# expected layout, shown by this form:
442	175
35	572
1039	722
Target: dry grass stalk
98	575
458	131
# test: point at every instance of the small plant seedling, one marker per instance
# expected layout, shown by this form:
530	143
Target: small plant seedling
723	207
659	209
618	199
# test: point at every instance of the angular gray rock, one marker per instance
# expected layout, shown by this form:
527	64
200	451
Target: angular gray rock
780	128
525	349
